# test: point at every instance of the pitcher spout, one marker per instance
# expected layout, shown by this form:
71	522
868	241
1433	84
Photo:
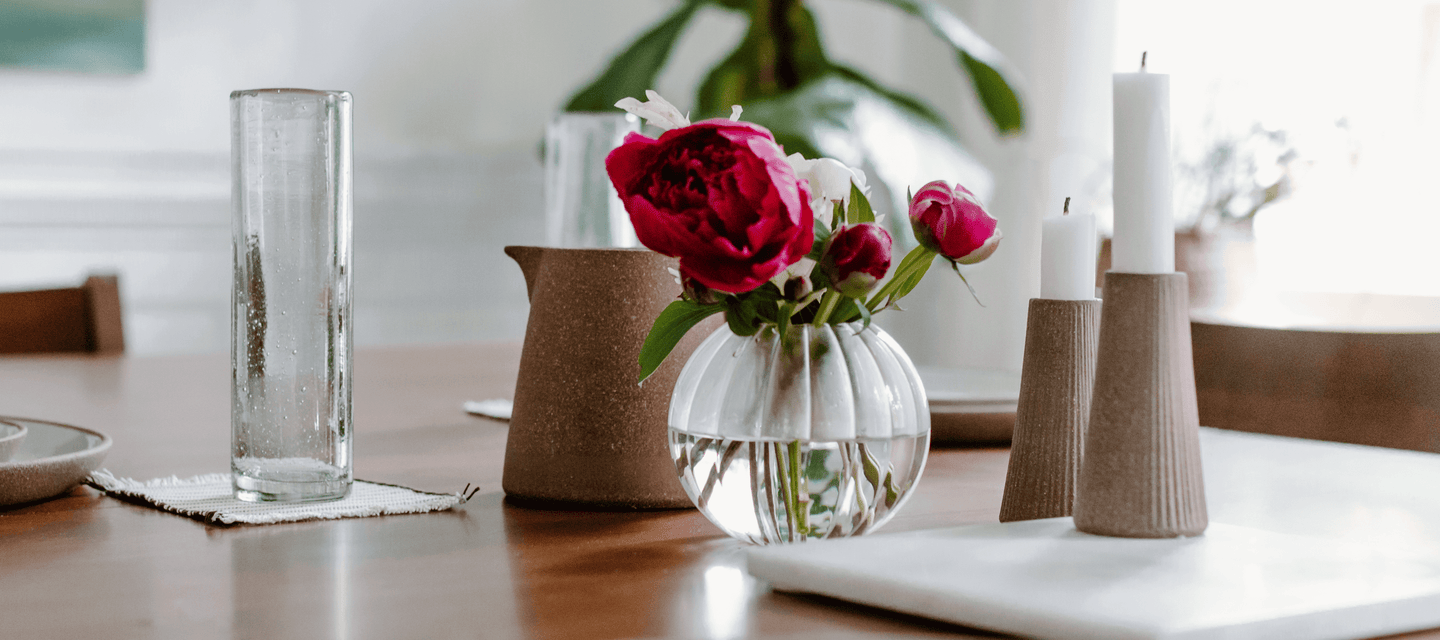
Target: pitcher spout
529	260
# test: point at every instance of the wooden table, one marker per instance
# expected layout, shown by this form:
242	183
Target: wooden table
88	566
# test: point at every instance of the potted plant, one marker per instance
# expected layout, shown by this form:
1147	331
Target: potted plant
781	75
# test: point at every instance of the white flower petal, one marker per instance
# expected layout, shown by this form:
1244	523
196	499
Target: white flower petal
735	112
800	164
829	179
657	112
824	211
803	267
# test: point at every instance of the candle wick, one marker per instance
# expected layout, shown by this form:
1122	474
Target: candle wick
1067	207
1142	59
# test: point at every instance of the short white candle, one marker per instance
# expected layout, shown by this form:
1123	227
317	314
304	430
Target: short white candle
1067	256
1144	239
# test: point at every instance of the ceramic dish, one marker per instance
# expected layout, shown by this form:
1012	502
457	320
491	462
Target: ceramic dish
971	406
11	435
53	459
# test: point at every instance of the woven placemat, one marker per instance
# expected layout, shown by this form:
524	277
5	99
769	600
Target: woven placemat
210	498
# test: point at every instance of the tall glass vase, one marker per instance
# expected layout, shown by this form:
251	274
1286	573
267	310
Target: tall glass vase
290	325
821	435
582	209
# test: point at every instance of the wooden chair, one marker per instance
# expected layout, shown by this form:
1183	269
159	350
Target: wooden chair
1363	369
84	318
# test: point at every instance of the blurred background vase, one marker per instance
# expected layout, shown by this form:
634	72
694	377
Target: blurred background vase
582	209
820	435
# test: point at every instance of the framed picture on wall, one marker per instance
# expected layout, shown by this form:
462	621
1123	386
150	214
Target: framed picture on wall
86	36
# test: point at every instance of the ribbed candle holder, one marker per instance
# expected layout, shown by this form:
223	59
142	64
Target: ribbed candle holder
1140	476
1054	409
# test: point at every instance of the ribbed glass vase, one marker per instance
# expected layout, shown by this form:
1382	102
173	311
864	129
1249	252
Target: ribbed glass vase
820	435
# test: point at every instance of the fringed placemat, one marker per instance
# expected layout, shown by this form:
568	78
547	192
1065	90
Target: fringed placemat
210	498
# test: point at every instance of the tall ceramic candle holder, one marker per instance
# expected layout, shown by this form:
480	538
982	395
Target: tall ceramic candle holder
1140	476
1054	409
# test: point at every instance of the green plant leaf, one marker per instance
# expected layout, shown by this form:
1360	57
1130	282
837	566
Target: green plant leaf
741	316
920	259
780	51
634	70
670	326
817	249
987	67
864	314
846	311
860	210
899	144
763	302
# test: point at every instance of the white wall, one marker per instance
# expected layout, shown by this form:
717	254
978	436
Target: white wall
131	172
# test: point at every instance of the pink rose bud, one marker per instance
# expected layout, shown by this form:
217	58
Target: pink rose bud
798	287
952	223
856	258
720	196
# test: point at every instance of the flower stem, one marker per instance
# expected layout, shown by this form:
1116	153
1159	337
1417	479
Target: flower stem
828	302
800	495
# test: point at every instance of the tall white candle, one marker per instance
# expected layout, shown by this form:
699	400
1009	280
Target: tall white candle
1144	222
1067	257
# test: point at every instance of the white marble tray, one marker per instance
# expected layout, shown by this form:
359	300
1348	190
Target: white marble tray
1044	579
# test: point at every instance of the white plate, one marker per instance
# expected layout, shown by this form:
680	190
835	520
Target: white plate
53	459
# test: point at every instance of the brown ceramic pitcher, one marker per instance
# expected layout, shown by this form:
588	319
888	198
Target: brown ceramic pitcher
584	434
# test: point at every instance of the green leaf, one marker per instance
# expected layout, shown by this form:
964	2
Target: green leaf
987	67
913	268
897	140
844	311
860	210
741	316
780	51
838	217
865	314
635	69
817	249
670	326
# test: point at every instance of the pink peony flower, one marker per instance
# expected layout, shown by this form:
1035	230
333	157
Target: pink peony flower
720	196
856	258
951	222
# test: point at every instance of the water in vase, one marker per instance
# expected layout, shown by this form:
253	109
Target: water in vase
767	491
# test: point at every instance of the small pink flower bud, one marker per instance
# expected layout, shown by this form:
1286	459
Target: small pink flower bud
856	258
798	287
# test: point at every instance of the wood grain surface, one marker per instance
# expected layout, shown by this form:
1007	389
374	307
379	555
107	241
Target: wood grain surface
88	566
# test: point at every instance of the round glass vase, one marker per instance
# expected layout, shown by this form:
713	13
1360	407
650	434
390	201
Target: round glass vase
821	435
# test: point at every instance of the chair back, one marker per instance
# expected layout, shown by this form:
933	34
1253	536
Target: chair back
85	319
1355	380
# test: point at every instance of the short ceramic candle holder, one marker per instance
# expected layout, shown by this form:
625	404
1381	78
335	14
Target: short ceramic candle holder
1054	409
1140	474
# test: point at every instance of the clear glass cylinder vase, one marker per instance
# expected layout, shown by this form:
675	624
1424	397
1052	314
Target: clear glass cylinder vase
290	321
821	435
582	209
